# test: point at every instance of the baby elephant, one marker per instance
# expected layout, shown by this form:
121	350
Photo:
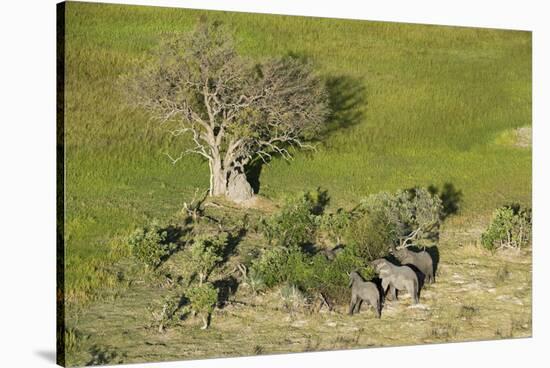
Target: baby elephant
397	278
363	291
421	260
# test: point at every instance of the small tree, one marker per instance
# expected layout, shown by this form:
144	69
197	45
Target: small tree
205	254
234	109
202	300
150	245
411	214
510	228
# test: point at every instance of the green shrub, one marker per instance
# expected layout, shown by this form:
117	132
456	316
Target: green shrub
331	277
255	281
295	223
370	236
311	274
271	266
163	313
407	212
205	253
510	227
150	246
334	225
202	300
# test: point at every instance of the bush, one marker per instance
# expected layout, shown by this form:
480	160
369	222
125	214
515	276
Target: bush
311	274
293	298
335	225
255	281
295	223
202	299
164	313
205	253
510	227
407	212
331	277
370	237
150	245
271	266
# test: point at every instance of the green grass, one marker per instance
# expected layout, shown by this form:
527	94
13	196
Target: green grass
435	101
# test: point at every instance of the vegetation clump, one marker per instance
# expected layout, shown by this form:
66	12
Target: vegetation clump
510	228
202	300
296	223
164	314
412	214
205	253
150	245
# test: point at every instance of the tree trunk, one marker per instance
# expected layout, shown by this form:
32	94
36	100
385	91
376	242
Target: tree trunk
231	183
238	188
218	180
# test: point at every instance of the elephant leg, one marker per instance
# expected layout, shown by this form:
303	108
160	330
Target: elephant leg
358	305
414	294
378	308
393	292
385	285
352	304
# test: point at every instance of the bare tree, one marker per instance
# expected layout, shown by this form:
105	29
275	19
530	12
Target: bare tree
235	110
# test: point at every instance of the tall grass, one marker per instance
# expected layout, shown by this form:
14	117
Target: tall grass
435	98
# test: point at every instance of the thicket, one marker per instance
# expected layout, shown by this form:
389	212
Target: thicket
365	233
298	238
150	244
510	227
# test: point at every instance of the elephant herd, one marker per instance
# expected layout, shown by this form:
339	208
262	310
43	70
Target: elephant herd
413	270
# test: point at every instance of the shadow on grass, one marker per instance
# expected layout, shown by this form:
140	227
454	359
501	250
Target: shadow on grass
103	356
347	99
226	288
450	198
174	235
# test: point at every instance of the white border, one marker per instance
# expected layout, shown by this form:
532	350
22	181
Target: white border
27	193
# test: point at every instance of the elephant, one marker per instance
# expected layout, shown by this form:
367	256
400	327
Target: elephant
363	291
397	278
420	260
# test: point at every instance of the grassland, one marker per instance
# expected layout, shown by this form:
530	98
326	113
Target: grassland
419	105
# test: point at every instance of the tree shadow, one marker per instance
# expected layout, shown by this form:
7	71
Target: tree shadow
226	288
104	356
321	200
174	235
347	98
309	248
253	172
232	241
450	198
